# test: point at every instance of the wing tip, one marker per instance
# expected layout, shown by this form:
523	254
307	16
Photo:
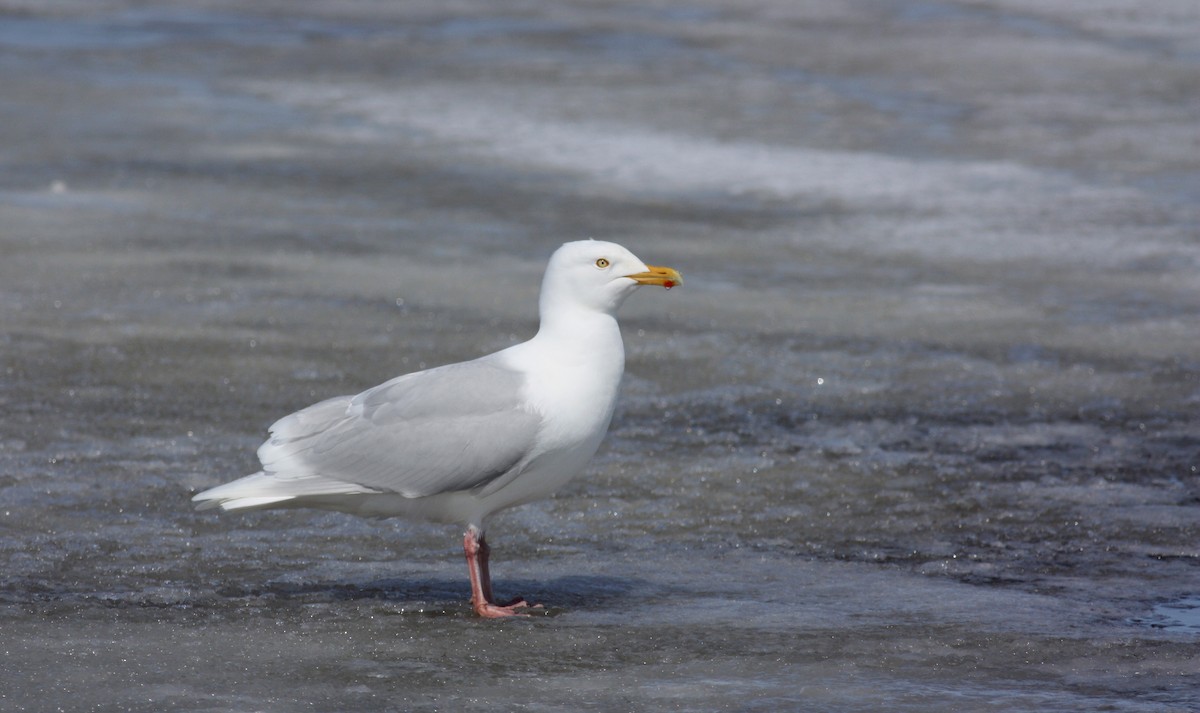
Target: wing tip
244	493
204	502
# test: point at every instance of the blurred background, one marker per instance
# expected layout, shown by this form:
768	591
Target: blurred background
918	434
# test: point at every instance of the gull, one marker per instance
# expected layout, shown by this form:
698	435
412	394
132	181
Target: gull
459	442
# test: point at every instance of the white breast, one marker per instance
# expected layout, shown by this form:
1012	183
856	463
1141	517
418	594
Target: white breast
573	384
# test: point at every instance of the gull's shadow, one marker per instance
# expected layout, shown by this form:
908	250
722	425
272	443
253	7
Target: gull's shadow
451	596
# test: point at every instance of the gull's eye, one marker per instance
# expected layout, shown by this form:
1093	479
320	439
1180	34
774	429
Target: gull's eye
602	263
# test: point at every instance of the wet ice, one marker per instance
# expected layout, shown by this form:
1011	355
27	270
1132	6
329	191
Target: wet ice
919	435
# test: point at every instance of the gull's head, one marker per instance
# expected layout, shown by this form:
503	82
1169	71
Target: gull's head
598	275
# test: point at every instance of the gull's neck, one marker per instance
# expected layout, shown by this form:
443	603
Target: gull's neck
574	336
577	330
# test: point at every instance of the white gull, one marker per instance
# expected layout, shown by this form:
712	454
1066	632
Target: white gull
459	442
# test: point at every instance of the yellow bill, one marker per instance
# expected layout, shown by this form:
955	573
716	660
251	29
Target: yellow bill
668	277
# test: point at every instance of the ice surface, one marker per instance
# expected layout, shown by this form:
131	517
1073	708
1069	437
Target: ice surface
919	433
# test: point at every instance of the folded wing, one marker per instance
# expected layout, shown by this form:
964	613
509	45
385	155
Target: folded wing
452	428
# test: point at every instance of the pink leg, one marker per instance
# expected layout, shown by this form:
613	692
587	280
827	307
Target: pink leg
477	551
485	572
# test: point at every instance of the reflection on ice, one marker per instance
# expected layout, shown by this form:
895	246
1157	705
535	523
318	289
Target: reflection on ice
1179	616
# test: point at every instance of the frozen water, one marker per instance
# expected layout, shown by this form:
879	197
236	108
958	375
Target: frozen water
918	434
1181	615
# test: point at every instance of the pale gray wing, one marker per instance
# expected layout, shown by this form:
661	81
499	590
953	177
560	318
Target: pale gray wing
451	428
